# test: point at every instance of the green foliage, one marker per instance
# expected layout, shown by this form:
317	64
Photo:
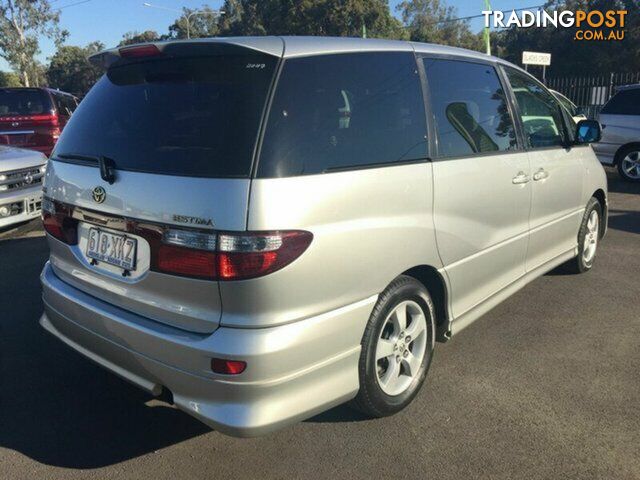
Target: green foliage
308	17
71	71
432	21
21	24
9	79
198	23
574	57
131	38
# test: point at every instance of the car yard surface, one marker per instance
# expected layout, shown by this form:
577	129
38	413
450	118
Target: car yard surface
546	385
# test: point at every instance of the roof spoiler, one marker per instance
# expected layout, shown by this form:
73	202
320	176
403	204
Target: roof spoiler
202	46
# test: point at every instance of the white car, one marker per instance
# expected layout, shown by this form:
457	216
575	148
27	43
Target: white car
21	173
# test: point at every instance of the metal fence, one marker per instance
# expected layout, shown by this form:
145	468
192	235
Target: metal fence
590	93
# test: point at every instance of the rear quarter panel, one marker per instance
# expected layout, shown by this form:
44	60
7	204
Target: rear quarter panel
369	226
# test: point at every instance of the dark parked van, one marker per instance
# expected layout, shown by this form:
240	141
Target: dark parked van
34	117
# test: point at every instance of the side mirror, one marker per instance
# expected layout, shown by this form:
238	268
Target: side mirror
588	131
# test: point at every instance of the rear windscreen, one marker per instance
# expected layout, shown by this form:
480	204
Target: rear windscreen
192	116
23	102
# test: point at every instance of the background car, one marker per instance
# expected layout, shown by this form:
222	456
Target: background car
572	108
34	117
21	173
620	144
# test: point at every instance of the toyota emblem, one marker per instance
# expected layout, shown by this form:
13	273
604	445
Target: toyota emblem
99	195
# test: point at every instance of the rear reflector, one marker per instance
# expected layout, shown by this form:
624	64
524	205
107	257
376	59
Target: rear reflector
140	51
227	367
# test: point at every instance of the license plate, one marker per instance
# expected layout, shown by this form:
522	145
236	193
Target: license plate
112	248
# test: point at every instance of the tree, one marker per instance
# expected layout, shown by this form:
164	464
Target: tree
575	57
71	71
432	21
9	79
293	17
130	38
21	23
199	23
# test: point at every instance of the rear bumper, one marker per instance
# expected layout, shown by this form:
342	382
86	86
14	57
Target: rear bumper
293	371
30	201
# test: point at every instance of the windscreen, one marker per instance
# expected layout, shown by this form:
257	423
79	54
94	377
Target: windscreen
23	102
190	116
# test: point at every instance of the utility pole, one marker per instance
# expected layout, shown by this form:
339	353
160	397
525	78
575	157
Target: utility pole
188	17
487	33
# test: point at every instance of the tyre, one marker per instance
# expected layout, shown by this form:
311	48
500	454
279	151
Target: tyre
588	238
397	348
629	163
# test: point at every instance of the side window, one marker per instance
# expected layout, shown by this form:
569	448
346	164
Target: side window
470	108
332	112
625	102
539	110
66	105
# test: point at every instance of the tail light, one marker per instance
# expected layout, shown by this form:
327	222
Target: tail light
205	255
58	223
229	256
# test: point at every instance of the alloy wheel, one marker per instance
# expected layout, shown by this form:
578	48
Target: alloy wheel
591	237
631	165
401	347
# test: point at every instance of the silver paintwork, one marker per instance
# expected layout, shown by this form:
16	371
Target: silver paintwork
487	224
617	132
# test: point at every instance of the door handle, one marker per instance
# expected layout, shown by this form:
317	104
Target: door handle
521	178
540	174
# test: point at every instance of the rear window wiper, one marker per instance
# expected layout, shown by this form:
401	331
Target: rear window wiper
107	165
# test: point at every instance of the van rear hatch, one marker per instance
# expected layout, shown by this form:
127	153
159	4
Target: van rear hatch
28	119
154	162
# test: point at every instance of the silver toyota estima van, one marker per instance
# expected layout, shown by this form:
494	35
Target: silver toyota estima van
267	227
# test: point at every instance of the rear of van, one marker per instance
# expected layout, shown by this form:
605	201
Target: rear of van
211	209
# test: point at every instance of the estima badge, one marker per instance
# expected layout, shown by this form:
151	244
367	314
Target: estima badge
193	220
99	195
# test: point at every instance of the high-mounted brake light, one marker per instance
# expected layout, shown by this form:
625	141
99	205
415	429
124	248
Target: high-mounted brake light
140	51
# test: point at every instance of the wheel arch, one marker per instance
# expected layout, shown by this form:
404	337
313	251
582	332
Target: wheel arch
618	155
435	283
601	196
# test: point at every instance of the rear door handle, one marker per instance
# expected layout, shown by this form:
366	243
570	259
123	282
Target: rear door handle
540	174
521	178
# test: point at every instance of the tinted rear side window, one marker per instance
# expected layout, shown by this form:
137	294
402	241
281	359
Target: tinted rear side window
335	112
470	108
193	116
23	102
625	102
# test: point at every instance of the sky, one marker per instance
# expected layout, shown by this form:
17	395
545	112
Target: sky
108	20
